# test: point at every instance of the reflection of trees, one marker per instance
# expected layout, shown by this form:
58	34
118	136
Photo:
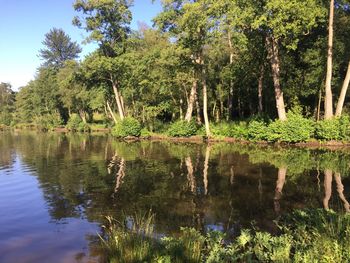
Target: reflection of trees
328	176
281	179
224	183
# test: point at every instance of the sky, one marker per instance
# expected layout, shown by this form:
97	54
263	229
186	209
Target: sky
24	23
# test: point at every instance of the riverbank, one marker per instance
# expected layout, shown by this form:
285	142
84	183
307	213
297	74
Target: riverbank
192	139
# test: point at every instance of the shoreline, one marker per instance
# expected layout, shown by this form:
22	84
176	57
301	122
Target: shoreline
313	144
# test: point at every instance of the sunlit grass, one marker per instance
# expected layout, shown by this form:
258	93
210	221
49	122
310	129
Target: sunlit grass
305	236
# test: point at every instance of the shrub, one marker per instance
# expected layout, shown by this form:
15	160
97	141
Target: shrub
5	118
237	130
221	129
145	133
182	129
48	121
75	123
327	130
257	131
344	127
295	129
127	127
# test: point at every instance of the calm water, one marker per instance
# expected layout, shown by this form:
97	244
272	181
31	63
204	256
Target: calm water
56	189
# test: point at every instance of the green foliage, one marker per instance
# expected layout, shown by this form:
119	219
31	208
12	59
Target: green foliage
237	130
327	130
257	131
182	129
127	127
75	123
295	129
48	122
304	236
5	118
58	48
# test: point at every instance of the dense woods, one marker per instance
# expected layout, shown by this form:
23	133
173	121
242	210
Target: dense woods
203	61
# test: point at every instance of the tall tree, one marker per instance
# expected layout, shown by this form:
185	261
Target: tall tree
108	23
58	48
328	100
284	22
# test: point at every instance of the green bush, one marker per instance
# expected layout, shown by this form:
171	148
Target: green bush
237	130
127	127
344	127
48	121
257	131
75	123
5	118
182	129
221	129
295	129
327	130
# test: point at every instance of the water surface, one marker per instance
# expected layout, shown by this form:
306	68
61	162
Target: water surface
56	189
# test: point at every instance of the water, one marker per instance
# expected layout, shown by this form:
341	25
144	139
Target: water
56	189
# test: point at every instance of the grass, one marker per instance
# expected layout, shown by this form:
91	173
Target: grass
304	236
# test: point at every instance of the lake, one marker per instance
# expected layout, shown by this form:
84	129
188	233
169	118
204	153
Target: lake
57	189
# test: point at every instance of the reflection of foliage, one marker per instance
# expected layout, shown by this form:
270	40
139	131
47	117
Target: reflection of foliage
297	160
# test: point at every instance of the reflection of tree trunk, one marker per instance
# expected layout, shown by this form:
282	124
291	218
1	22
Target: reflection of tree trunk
327	188
232	177
205	170
190	175
282	172
120	175
340	189
112	163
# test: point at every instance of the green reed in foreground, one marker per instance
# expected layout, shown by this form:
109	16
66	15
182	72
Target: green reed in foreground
304	236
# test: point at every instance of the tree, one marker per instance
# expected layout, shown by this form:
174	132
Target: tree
7	100
328	100
189	23
58	48
284	22
108	23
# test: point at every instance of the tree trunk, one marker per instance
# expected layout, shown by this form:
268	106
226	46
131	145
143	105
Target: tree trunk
260	89
342	95
119	102
82	115
272	48
328	100
111	112
191	101
198	111
205	103
230	96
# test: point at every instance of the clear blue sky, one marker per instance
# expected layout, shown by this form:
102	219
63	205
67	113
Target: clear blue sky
23	24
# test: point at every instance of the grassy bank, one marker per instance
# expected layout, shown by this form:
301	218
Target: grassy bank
303	236
296	130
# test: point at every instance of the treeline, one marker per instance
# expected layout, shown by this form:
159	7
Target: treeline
205	60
